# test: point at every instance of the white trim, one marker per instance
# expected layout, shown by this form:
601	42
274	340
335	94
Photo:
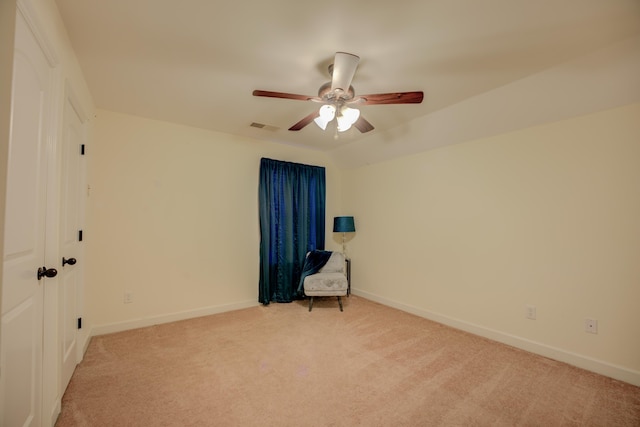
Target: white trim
167	318
83	342
31	18
594	365
74	101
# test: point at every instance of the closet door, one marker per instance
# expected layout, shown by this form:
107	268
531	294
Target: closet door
24	245
72	197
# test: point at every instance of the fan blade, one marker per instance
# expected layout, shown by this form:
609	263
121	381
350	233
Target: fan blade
302	123
284	95
344	67
363	125
390	98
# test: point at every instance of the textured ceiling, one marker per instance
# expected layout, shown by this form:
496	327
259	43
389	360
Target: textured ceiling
196	62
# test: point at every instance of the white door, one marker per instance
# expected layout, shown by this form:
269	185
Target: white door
71	214
24	245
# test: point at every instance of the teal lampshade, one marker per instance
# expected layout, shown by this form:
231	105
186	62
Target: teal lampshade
344	224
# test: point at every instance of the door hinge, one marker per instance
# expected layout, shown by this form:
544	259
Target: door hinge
79	322
82	149
79	235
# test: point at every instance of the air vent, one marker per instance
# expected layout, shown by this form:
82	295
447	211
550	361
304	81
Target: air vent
263	126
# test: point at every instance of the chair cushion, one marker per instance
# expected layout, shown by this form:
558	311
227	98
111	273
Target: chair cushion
325	284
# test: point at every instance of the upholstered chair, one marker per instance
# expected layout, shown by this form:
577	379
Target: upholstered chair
330	280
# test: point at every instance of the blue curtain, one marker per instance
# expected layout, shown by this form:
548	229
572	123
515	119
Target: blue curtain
292	215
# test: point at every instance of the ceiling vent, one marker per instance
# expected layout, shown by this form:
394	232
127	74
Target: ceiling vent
263	126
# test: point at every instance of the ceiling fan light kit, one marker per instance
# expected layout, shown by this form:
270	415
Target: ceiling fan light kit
338	97
327	113
345	117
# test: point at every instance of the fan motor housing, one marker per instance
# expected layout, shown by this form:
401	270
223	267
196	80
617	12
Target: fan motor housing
327	94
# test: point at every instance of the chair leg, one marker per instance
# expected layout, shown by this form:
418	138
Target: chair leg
310	303
340	302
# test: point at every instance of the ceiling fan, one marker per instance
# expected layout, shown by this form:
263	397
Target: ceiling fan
338	98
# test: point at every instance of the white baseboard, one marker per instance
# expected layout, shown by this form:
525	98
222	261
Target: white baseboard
85	339
166	318
598	366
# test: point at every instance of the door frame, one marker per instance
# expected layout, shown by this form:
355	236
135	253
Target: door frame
7	32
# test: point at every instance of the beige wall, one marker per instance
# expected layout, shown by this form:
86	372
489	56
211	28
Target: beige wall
547	216
173	218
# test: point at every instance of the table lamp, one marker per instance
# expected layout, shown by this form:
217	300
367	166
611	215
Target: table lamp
344	224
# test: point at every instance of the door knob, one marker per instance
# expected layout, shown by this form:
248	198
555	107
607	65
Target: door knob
47	272
70	261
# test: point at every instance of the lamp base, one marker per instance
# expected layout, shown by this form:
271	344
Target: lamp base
344	246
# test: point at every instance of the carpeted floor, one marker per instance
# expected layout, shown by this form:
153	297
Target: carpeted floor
370	365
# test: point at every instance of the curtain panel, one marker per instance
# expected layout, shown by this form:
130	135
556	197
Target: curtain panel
292	223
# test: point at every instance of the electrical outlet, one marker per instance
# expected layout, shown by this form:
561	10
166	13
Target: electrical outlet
530	312
591	326
128	297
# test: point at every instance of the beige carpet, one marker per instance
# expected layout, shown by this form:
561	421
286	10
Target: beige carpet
368	366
